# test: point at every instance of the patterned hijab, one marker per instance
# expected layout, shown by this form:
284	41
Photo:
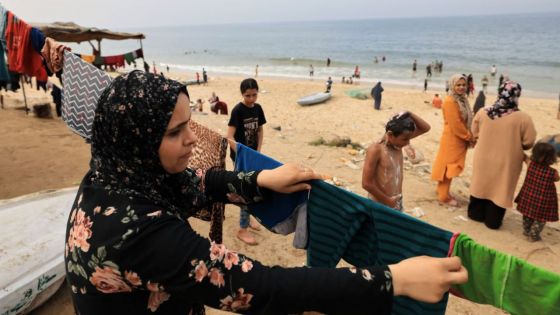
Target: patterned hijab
130	120
464	107
508	100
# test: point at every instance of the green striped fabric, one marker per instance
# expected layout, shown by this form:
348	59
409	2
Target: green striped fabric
344	225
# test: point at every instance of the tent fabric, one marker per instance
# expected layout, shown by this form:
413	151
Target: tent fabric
72	32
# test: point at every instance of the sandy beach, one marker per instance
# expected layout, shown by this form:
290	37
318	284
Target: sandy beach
38	154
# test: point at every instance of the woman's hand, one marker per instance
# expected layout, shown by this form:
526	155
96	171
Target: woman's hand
426	278
287	178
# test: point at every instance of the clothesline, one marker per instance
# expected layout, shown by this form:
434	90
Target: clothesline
22	51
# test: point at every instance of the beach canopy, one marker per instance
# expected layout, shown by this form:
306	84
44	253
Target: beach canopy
72	32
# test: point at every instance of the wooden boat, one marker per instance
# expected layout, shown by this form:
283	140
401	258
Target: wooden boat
32	248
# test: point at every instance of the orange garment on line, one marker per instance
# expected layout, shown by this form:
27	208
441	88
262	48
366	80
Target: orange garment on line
88	58
450	159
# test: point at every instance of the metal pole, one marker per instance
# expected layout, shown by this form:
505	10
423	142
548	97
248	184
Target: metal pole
24	96
141	47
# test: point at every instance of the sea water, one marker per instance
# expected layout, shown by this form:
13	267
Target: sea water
524	47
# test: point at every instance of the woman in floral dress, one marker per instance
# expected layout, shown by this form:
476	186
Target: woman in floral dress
131	250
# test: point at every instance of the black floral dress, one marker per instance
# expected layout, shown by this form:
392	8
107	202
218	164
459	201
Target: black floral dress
130	250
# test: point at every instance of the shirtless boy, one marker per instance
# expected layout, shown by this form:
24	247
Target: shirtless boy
382	176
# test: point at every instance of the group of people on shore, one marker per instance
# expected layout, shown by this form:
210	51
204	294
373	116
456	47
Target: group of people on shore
500	134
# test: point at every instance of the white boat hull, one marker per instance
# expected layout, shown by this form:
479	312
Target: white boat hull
32	248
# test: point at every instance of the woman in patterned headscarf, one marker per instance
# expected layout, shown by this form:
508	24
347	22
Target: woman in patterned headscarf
130	250
502	132
455	139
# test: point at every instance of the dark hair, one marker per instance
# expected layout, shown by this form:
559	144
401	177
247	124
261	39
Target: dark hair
399	124
543	153
248	84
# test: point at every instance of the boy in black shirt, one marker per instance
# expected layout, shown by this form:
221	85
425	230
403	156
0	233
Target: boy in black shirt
245	126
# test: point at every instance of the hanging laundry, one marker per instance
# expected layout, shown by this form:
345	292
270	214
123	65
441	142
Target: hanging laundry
12	84
129	58
56	94
37	39
117	61
83	85
41	85
344	225
22	58
88	58
505	281
3	24
99	61
53	54
277	207
209	152
4	74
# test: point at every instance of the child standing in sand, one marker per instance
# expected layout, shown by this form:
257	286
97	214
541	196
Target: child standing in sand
245	126
382	176
537	199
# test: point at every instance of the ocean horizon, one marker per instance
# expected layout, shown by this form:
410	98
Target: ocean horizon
525	47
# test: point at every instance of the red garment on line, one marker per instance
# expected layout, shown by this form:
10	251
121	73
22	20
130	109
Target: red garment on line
114	60
22	58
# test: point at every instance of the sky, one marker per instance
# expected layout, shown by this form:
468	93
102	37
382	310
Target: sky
143	13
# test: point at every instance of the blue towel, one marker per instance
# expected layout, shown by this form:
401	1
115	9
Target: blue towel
344	225
278	207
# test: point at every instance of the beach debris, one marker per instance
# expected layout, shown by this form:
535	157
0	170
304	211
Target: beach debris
357	159
337	182
337	141
43	110
407	165
352	151
276	127
422	169
417	212
350	164
461	218
310	156
413	155
361	94
451	209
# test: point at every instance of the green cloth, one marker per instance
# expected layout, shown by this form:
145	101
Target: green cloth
505	281
99	61
129	58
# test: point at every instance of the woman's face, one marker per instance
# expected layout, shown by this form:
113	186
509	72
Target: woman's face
179	140
460	87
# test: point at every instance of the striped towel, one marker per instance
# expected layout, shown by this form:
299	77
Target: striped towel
83	85
344	225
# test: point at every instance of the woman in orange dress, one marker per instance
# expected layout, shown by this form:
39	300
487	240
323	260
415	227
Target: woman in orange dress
455	139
